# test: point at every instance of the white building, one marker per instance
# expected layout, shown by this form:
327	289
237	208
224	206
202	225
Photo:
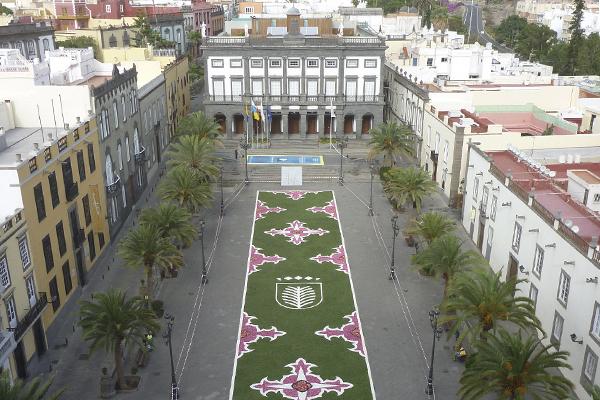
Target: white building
535	222
559	19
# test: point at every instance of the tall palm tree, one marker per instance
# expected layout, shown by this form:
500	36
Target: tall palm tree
193	38
198	124
445	257
36	389
431	225
391	140
146	247
172	222
186	189
479	299
595	392
196	154
409	184
112	319
511	367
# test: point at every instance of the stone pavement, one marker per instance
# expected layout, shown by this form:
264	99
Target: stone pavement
394	315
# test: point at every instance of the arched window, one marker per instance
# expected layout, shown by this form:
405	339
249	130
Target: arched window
120	155
126	39
136	142
123	106
46	44
127	147
116	114
112	41
110	178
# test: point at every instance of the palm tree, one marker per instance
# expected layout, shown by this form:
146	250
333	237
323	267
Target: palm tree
431	225
409	184
145	246
510	367
478	299
172	222
36	389
595	392
445	257
195	154
198	124
391	140
193	38
186	189
111	319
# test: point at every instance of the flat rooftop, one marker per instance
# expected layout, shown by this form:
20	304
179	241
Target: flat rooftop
21	141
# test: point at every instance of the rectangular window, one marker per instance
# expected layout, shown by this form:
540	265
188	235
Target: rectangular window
446	145
66	271
275	87
516	239
81	166
24	252
236	89
38	194
330	87
275	63
351	89
54	295
216	63
4	273
331	63
101	240
53	189
312	87
121	7
11	311
533	294
249	10
107	8
91	245
475	188
218	88
312	63
557	328
595	327
490	239
86	210
48	256
67	171
256	63
564	284
444	59
590	363
116	114
493	208
369	89
352	63
294	87
124	108
257	87
235	63
538	261
484	198
91	158
31	293
371	63
60	237
293	63
430	62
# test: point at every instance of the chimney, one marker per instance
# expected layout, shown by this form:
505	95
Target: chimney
78	120
36	146
19	158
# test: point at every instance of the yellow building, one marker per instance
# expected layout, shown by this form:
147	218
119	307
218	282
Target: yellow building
178	92
56	177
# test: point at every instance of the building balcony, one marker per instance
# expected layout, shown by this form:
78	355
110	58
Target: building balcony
141	156
294	99
72	191
113	188
32	315
7	345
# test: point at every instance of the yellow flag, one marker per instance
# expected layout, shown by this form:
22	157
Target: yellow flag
96	208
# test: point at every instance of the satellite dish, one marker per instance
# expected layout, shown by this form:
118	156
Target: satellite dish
575	229
569	223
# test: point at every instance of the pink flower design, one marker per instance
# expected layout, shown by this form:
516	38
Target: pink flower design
338	257
250	333
328	209
301	384
297	232
294	194
350	332
262	208
257	259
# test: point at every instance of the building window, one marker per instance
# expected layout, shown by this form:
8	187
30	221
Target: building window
371	63
564	284
81	166
484	198
475	186
312	63
86	210
46	44
533	294
121	10
446	145
66	271
38	194
124	195
91	245
430	62
216	63
60	236
275	87
54	295
330	87
53	189
91	158
557	328
275	63
48	257
107	8
490	239
256	63
30	286
590	363
112	41
331	63
120	156
595	327
24	252
4	273
493	208
101	240
294	63
116	114
235	63
11	311
294	87
249	10
596	197
444	59
538	261
516	239
124	107
312	87
257	87
127	150
352	63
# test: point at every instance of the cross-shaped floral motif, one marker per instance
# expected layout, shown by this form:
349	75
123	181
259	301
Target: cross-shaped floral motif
350	332
294	194
338	257
257	259
329	209
262	208
297	232
301	384
250	333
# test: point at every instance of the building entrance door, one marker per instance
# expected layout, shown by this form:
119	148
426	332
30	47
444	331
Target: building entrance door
80	269
480	236
39	338
513	268
20	361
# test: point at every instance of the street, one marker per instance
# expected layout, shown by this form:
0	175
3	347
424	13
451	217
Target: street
473	20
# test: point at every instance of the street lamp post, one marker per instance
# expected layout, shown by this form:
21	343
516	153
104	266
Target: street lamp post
222	212
372	169
343	144
395	230
204	273
167	336
245	145
437	333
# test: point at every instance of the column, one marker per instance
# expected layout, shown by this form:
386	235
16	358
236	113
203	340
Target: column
246	89
302	76
321	91
303	124
340	86
284	79
284	123
266	86
321	117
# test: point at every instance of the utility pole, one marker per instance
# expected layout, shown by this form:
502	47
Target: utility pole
245	145
437	332
343	144
395	231
168	337
204	273
222	212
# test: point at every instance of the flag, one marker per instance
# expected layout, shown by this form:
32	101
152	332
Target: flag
254	110
96	208
269	114
246	112
262	112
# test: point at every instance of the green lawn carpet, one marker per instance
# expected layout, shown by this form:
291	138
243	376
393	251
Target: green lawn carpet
300	334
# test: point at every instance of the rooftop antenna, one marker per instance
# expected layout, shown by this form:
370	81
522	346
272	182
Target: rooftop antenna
61	109
54	116
40	119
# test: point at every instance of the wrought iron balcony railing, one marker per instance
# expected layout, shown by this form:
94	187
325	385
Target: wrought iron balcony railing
32	315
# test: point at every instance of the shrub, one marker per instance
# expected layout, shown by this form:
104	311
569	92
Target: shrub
158	308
